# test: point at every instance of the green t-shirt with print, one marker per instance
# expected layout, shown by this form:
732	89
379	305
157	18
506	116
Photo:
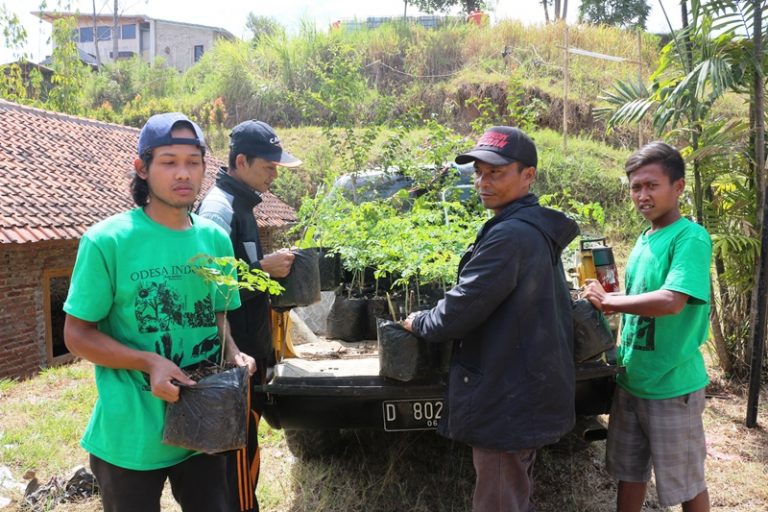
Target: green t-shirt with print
662	355
133	278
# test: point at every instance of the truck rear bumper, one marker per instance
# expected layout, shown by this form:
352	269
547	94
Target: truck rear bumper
340	400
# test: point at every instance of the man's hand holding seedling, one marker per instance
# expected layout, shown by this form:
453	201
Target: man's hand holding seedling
278	264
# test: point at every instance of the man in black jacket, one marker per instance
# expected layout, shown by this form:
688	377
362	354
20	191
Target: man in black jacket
511	379
254	155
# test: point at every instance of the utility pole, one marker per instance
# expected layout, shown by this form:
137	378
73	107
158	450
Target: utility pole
115	34
96	36
566	78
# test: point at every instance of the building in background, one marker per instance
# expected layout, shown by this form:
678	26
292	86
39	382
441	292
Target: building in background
179	44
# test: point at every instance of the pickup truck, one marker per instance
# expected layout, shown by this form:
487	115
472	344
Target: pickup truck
314	399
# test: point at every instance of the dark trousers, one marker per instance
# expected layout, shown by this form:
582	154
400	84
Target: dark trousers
243	465
504	481
198	484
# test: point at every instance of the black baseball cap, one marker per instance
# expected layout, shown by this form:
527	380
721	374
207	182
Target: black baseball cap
257	138
157	130
502	145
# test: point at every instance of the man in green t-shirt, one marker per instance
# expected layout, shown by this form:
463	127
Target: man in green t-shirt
139	312
656	416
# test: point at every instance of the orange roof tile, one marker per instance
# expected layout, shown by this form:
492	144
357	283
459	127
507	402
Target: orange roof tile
60	174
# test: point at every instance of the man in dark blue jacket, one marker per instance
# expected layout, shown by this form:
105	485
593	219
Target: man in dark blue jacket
255	153
511	380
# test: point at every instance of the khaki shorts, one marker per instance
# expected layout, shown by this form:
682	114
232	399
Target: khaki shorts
668	434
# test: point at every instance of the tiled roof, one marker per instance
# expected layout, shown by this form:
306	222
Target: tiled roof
60	174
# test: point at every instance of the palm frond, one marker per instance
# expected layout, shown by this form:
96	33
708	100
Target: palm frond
628	102
722	137
732	244
733	15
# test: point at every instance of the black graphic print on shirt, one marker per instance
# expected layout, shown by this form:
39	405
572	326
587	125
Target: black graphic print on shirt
161	309
645	327
646	334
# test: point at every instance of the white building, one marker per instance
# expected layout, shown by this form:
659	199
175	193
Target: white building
180	44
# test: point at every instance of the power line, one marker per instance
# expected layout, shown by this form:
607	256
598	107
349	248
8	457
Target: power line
409	74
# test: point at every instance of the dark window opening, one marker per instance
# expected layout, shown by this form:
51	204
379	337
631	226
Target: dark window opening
56	287
198	52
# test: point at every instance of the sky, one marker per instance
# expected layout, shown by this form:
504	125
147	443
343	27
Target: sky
231	14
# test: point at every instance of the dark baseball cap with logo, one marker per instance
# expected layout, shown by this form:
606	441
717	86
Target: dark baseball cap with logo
502	145
157	130
257	138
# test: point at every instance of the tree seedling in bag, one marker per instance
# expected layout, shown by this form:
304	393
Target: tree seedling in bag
211	416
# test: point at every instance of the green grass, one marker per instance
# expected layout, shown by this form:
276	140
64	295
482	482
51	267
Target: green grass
7	385
43	418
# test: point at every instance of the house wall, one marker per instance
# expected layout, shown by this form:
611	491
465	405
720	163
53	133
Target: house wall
176	43
22	312
105	47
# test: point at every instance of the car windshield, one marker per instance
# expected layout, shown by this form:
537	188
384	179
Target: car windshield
454	182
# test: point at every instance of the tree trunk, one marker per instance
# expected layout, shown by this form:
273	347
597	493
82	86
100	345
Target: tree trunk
557	9
758	311
565	8
687	51
723	355
545	3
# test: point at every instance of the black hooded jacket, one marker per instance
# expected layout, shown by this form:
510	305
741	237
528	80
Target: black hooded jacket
230	204
512	376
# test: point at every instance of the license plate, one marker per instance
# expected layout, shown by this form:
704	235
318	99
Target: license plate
422	414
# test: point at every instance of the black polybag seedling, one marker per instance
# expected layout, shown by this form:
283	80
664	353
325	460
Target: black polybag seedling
302	285
406	357
347	319
212	415
591	333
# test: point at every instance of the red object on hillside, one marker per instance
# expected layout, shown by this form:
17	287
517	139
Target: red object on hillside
476	17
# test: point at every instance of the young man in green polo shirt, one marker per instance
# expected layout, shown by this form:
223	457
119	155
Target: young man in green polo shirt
138	312
656	417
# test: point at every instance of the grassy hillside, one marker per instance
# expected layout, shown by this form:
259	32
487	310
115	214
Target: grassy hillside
365	76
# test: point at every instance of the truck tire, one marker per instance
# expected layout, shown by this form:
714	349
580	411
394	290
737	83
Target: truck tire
313	444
